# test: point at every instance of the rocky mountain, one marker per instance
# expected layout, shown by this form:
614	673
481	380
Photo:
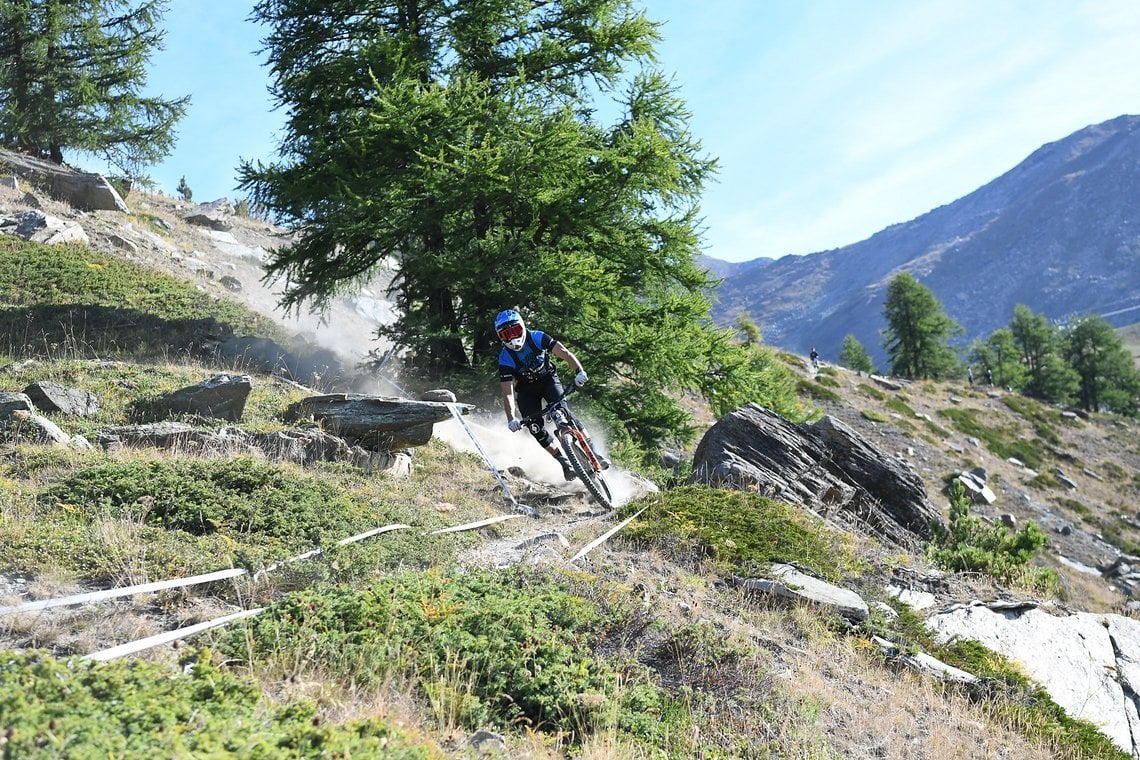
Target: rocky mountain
1058	233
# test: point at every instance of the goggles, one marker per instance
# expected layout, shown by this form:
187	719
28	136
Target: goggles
511	332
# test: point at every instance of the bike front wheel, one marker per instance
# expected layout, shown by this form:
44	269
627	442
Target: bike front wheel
596	484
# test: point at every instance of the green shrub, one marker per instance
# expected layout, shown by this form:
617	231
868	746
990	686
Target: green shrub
898	406
970	544
740	532
57	708
815	390
249	511
483	648
872	391
873	416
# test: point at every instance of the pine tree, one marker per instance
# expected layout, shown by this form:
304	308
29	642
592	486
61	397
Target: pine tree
71	76
463	143
999	355
917	331
1047	376
853	355
1108	375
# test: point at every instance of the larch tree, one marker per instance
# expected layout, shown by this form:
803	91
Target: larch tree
72	74
853	355
499	154
1107	372
918	330
1047	376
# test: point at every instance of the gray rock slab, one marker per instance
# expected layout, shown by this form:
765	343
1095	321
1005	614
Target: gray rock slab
788	582
53	397
1087	662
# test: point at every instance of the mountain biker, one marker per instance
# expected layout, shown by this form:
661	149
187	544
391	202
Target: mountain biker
527	375
814	358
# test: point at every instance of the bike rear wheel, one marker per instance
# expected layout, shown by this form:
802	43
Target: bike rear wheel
596	484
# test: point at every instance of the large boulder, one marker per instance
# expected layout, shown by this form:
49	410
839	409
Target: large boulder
52	397
220	397
377	423
82	190
789	583
826	467
38	227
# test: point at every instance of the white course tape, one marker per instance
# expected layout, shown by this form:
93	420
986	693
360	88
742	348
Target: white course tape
163	638
315	552
115	593
472	526
597	541
112	593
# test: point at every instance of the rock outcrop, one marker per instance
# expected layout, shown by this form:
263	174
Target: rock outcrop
83	190
379	423
1089	663
826	467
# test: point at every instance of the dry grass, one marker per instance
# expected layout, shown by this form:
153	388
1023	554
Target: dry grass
840	689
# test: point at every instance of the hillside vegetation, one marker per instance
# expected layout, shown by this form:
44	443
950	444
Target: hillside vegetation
405	645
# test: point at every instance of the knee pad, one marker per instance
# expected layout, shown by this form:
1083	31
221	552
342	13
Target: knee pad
540	433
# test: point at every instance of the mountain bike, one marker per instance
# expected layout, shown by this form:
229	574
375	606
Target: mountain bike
578	452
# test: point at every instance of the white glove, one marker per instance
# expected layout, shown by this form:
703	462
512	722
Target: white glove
580	378
514	425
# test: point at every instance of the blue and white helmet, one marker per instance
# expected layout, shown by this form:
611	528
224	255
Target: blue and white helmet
510	329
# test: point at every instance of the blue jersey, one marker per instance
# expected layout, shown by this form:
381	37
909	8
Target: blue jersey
529	364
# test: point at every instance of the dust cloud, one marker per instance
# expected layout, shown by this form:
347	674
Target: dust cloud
509	450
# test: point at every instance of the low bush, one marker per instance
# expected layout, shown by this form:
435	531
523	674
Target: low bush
739	532
65	708
241	511
481	648
970	544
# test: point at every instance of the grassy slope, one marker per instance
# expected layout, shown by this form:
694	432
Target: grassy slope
384	648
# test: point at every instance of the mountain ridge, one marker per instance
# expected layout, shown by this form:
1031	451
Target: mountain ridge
1053	233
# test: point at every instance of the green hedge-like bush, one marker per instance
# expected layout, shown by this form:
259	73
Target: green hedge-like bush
243	510
483	648
59	708
970	544
742	532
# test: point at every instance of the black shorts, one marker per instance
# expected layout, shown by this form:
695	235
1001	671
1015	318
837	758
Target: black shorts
532	397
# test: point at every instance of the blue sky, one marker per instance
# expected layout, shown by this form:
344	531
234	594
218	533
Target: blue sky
831	119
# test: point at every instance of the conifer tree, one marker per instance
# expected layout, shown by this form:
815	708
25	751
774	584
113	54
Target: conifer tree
853	355
917	331
464	144
1108	376
71	78
1047	376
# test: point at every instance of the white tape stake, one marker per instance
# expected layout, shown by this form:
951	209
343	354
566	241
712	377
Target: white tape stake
597	541
472	526
112	593
371	533
163	638
314	552
458	415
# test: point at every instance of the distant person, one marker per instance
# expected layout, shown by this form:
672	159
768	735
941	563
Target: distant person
814	358
527	376
970	375
990	377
